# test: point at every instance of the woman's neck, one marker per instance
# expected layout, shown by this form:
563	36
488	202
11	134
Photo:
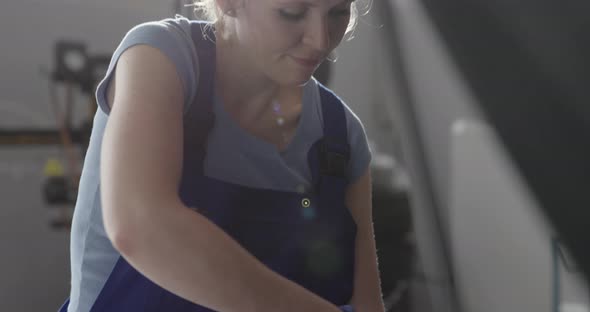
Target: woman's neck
246	91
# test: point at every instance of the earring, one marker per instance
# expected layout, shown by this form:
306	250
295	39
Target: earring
332	57
231	12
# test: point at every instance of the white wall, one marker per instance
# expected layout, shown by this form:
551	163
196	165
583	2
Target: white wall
34	267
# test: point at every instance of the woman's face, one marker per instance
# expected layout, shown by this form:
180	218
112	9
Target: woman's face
288	39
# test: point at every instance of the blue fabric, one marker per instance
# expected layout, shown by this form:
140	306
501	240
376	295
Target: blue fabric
316	252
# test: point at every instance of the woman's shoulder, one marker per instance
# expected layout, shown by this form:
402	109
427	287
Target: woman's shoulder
357	137
178	28
353	122
172	37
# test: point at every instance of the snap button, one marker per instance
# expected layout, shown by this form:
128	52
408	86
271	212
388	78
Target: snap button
305	202
300	189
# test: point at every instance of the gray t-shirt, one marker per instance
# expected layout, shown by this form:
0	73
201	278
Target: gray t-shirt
233	155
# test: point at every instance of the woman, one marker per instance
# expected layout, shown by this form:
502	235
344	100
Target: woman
276	177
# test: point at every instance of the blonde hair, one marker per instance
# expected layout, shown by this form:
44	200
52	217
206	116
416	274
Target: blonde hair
209	11
206	9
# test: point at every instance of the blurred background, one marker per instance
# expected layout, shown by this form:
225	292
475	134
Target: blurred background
463	220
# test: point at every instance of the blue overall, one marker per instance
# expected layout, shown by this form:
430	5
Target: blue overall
308	238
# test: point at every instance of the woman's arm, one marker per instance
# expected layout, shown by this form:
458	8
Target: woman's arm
367	289
146	221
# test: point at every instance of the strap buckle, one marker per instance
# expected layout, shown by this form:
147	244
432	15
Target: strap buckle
332	162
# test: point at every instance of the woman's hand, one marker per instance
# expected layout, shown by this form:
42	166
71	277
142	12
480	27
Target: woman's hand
346	308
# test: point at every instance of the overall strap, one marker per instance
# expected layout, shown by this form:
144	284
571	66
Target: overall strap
328	158
334	149
199	118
